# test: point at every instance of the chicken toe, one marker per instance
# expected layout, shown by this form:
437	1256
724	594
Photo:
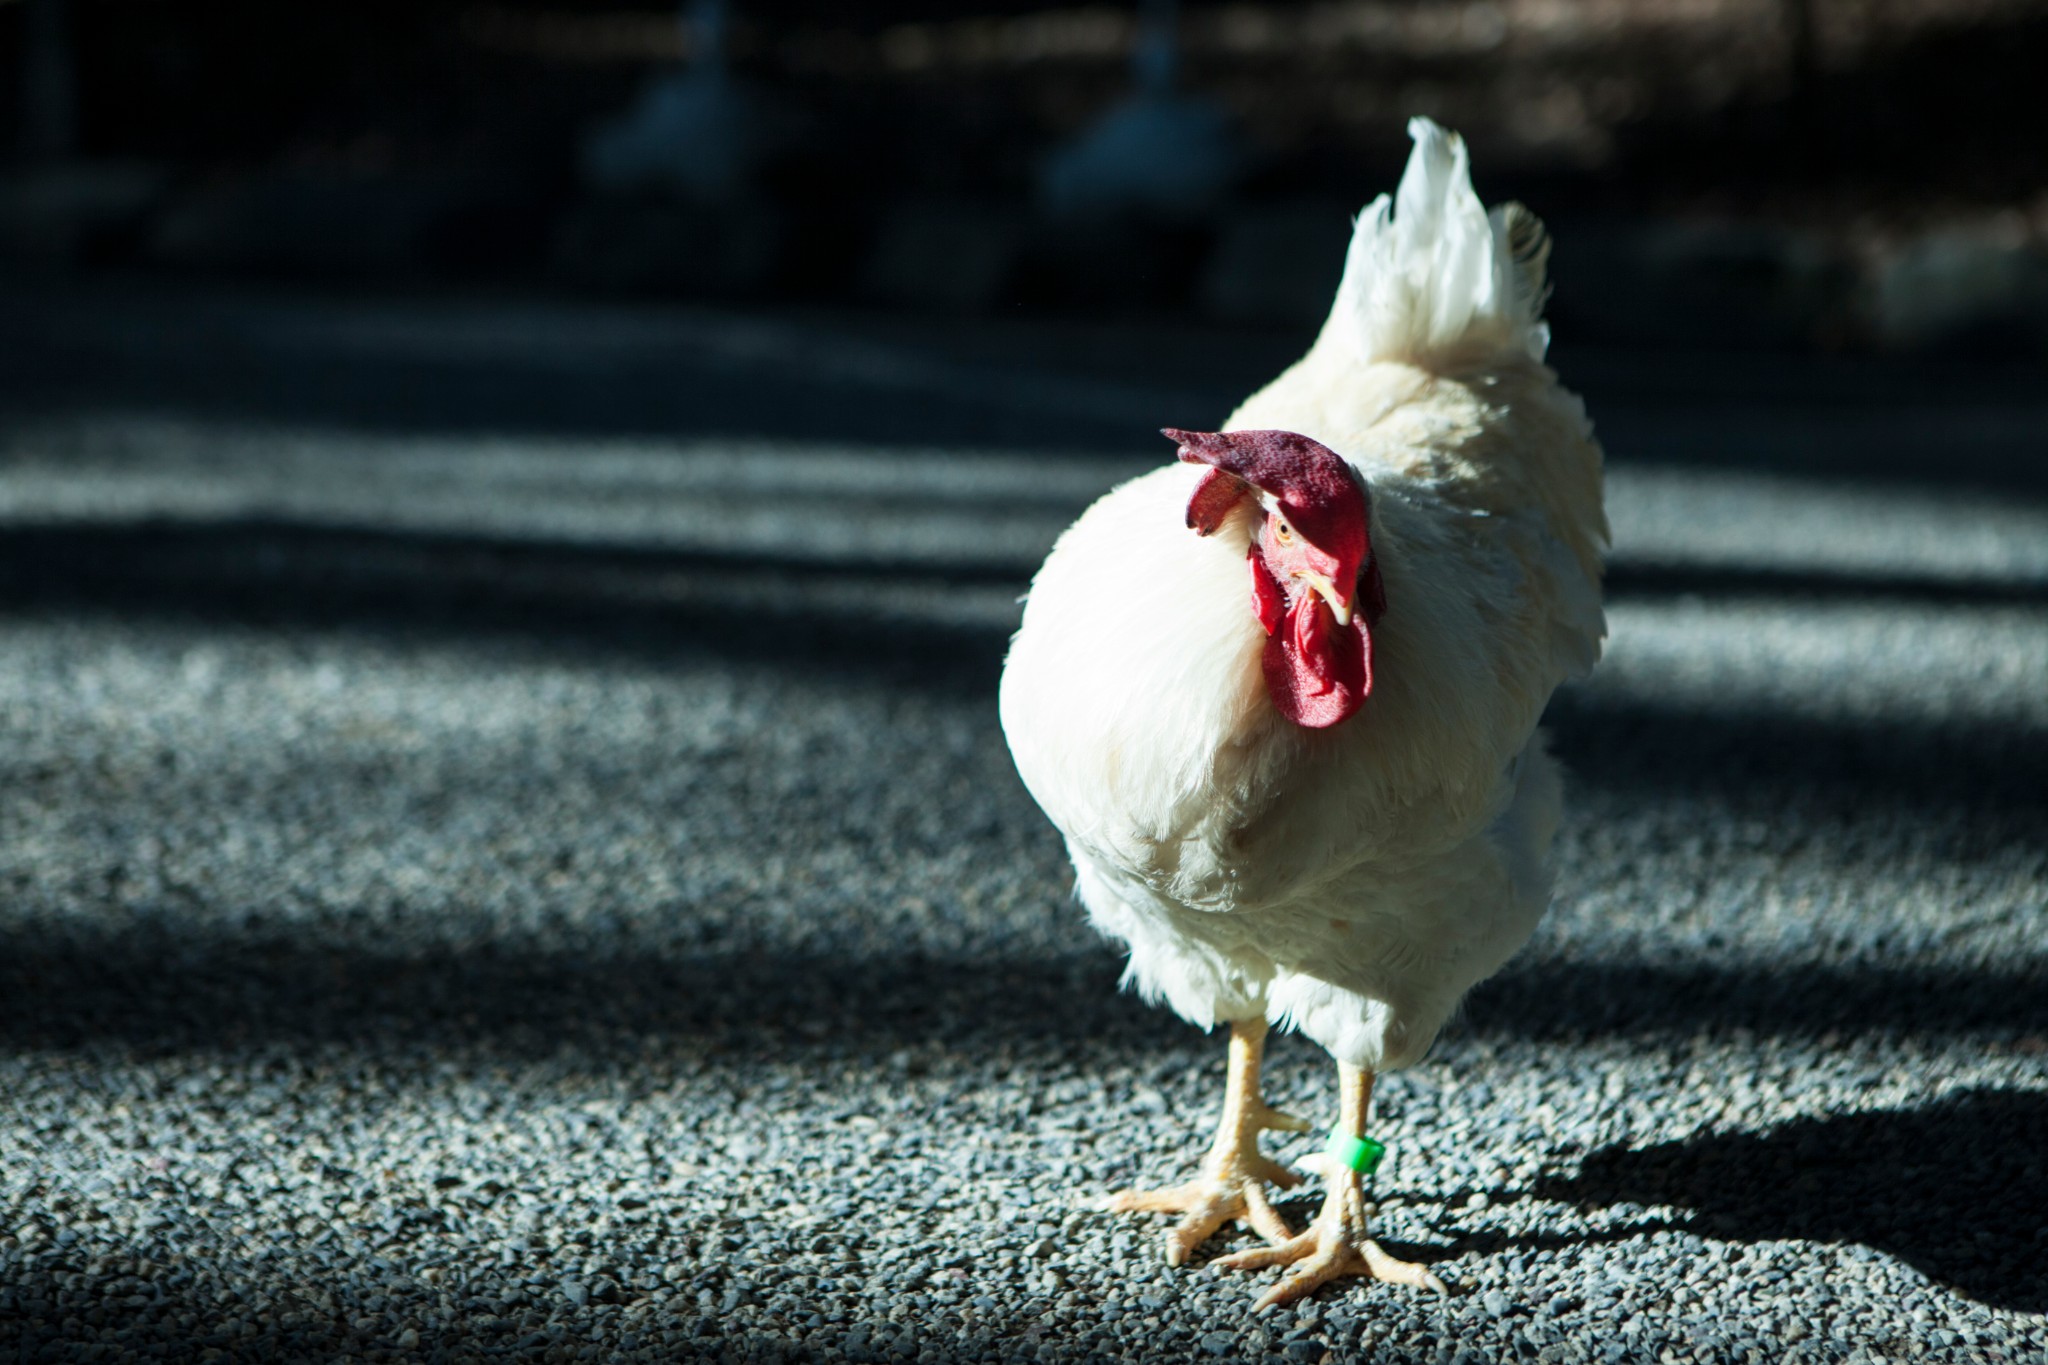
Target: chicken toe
1336	1244
1231	1188
1332	1248
1208	1203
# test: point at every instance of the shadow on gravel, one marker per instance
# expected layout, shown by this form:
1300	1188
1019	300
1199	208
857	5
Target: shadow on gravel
1632	581
170	991
276	1312
588	372
253	565
1564	1001
241	558
575	600
417	368
1983	781
1952	1189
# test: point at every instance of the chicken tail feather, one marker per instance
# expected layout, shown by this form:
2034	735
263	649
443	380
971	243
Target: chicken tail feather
1431	274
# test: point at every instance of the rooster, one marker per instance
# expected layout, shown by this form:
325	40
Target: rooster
1281	697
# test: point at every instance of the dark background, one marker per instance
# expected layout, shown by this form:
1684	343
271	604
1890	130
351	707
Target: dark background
1837	174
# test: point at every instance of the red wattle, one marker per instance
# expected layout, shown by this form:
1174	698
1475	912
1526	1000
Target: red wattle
1268	602
1317	671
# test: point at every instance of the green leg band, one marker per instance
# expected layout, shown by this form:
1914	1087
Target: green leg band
1361	1154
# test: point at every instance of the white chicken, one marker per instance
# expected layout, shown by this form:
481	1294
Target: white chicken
1281	698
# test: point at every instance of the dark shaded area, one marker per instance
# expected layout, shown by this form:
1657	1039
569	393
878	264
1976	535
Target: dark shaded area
566	600
1883	434
1952	1189
1868	129
146	989
1812	154
304	1331
163	988
481	366
1859	105
1562	1001
1770	766
470	365
1629	580
236	563
291	571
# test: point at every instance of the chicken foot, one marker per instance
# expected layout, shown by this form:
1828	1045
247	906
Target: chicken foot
1232	1184
1335	1244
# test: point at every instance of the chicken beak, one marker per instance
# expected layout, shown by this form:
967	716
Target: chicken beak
1340	603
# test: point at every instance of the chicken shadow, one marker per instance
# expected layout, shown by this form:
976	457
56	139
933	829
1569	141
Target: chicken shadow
1953	1189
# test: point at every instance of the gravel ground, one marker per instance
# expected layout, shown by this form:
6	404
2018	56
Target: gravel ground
505	851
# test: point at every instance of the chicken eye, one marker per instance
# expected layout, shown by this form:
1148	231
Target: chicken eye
1283	533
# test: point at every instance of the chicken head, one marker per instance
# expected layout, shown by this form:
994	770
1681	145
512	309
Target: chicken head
1315	586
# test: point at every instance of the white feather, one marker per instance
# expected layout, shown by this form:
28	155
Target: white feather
1431	271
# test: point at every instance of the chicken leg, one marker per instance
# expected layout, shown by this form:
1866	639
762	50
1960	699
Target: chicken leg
1233	1179
1335	1244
